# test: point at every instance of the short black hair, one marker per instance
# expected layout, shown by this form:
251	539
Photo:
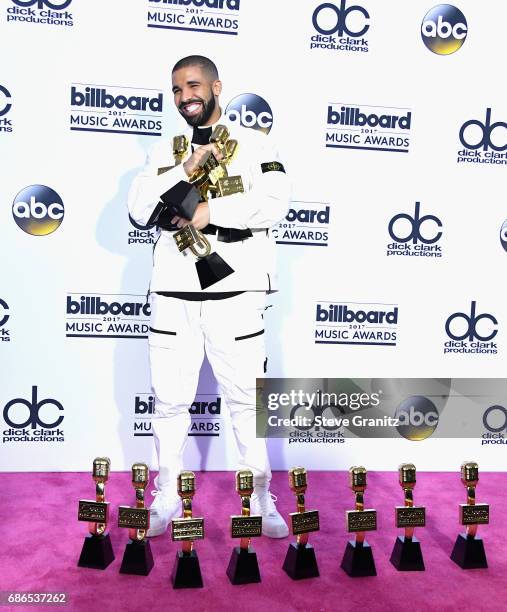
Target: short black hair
198	60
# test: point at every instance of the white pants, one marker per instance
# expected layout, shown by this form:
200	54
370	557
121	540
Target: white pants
231	333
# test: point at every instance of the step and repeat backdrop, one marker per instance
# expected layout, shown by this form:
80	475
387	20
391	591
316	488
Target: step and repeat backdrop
391	120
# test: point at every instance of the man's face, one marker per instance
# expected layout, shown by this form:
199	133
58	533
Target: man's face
195	94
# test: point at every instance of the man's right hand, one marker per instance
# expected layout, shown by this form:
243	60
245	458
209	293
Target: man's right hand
192	163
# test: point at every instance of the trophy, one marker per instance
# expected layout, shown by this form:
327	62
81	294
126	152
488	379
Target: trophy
407	555
180	148
300	561
97	551
243	567
137	558
468	551
358	557
186	571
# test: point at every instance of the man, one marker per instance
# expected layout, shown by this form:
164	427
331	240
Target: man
225	321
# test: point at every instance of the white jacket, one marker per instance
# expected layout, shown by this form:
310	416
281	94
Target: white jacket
264	203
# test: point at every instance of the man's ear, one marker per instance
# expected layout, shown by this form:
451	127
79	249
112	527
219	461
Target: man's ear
217	87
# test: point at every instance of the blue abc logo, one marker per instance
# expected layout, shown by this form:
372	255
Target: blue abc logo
503	235
470	330
5	106
416	221
38	210
251	111
327	19
42	3
34	417
486	130
444	29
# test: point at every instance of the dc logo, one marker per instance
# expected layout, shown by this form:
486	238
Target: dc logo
5	106
444	29
42	3
3	317
327	18
325	410
486	134
503	235
36	417
470	331
415	234
251	111
494	419
38	210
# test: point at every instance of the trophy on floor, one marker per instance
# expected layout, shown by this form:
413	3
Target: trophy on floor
243	567
358	557
97	551
186	571
137	558
300	561
407	555
468	551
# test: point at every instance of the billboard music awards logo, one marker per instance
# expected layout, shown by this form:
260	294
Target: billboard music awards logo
471	332
414	235
141	234
38	210
356	323
371	128
205	412
115	109
108	315
211	16
4	317
251	111
5	107
306	224
48	12
340	27
485	141
503	235
444	29
33	420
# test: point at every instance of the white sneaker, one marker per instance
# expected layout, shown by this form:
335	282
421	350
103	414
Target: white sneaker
273	525
165	507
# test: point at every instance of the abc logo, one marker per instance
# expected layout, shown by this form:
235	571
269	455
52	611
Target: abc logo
503	235
251	111
414	234
469	331
417	418
35	416
485	130
327	18
5	106
42	3
444	29
3	317
38	210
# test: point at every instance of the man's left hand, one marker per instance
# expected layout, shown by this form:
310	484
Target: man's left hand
200	219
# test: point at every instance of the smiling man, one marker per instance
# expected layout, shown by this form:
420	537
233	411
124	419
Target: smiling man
226	320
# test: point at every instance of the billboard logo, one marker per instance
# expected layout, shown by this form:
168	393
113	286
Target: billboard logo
306	224
211	16
444	29
340	27
44	12
251	111
471	333
410	238
38	210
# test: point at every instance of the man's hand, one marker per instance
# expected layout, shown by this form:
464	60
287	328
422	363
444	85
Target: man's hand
200	219
192	163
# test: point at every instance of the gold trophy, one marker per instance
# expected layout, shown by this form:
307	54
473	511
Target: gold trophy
97	551
468	551
407	555
180	148
243	567
300	561
358	557
187	571
137	558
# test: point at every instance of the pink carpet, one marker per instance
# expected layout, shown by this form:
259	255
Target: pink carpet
41	542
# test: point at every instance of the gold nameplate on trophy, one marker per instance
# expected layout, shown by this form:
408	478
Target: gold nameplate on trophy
410	516
93	511
133	518
230	185
246	526
186	237
305	522
478	514
164	169
186	529
361	520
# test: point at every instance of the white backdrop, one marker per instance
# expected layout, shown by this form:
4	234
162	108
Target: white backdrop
97	381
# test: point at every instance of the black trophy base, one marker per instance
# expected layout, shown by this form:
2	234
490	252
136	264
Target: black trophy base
243	567
407	555
137	558
97	552
300	562
469	553
211	269
186	571
358	560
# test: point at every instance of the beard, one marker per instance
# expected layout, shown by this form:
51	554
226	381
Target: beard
208	107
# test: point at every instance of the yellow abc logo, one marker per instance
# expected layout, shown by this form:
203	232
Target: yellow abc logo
444	29
38	210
